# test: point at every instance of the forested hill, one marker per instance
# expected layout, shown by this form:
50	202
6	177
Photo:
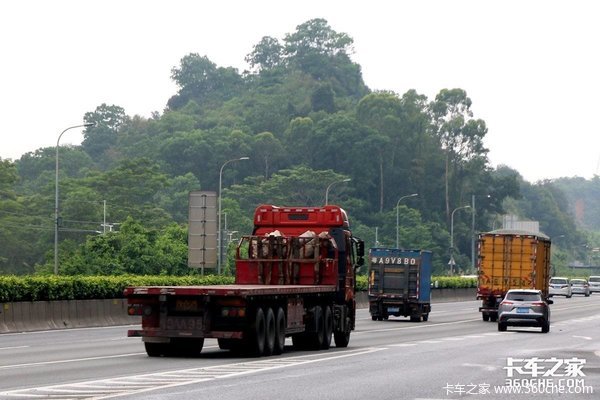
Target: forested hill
307	121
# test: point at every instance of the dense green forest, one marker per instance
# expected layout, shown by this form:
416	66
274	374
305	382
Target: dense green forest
305	118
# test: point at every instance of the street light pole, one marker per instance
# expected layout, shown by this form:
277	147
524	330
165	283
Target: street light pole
329	187
398	215
452	235
56	195
220	235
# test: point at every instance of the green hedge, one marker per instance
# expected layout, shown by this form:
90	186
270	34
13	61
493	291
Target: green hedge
43	288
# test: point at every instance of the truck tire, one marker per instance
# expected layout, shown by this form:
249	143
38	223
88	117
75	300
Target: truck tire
269	332
485	316
373	317
226	344
156	349
184	347
341	339
317	337
501	326
258	333
415	318
280	326
327	328
426	317
494	317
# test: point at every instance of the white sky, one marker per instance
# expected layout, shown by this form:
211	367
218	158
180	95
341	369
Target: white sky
531	68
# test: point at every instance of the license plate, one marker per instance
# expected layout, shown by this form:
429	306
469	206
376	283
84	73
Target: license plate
522	310
393	309
187	306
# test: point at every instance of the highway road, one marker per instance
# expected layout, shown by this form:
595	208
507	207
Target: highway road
455	355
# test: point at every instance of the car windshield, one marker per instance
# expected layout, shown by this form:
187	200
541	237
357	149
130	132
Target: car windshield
558	280
523	296
595	279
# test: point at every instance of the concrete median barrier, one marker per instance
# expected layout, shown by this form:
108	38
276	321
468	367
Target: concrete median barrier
64	314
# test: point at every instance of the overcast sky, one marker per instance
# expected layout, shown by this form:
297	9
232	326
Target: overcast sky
531	68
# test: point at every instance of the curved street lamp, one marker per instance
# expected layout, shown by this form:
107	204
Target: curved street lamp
56	194
220	237
451	262
398	216
329	187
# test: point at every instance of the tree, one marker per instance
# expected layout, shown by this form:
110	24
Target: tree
266	55
103	135
460	136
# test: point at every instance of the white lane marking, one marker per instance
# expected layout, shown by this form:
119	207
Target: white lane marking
481	366
416	326
136	384
13	347
429	341
582	337
402	345
69	361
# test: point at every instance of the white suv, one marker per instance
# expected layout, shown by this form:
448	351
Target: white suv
594	282
560	287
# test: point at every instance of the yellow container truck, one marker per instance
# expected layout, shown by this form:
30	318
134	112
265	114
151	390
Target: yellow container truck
510	259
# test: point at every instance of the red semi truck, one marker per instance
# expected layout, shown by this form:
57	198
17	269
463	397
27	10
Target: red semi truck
295	276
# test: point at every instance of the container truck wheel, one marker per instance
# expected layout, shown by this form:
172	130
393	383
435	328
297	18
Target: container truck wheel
425	317
258	333
494	317
341	339
373	317
327	327
501	326
269	332
415	318
280	326
485	316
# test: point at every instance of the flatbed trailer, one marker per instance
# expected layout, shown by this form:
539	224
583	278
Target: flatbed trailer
288	283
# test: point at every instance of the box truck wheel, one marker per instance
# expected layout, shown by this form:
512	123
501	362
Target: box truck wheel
485	316
494	316
327	327
280	325
269	332
425	317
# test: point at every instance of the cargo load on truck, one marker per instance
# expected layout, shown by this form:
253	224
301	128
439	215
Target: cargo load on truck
399	284
510	259
295	277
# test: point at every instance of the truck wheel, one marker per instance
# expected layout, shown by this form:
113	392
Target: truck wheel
258	333
415	318
501	326
226	344
269	332
425	317
373	317
327	328
494	317
280	326
180	347
155	349
341	339
485	316
317	337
